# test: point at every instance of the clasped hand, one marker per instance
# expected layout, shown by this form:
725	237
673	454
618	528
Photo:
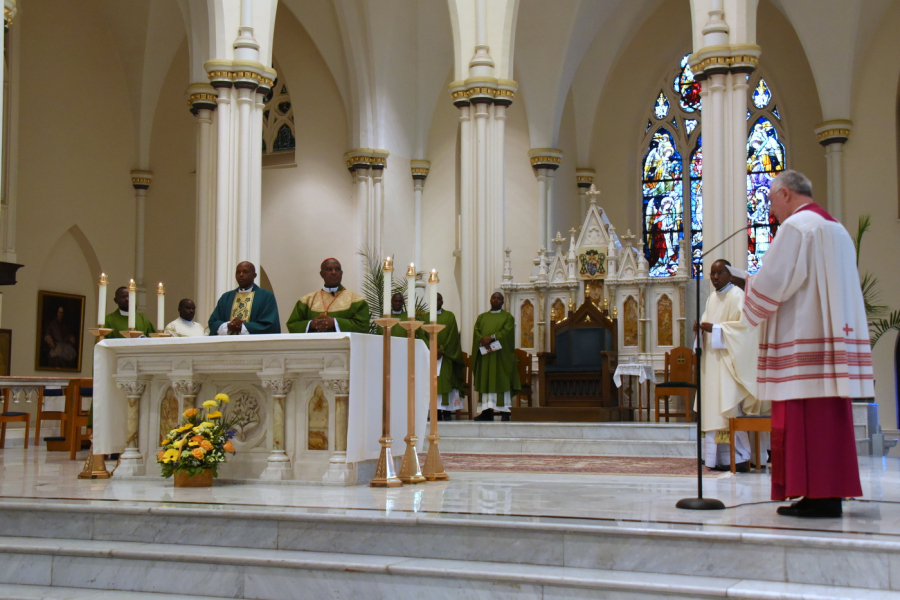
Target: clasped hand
322	324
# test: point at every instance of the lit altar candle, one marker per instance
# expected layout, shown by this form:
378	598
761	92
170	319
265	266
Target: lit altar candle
411	292
160	307
101	300
388	283
432	296
132	304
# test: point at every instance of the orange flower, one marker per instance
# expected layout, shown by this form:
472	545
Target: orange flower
198	453
191	412
228	447
206	445
197	439
160	455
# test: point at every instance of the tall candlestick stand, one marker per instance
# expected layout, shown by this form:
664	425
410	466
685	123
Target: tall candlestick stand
384	472
131	333
434	467
95	465
410	472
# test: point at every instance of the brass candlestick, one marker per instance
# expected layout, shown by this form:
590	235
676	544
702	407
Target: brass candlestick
384	472
131	333
434	467
161	334
95	464
410	472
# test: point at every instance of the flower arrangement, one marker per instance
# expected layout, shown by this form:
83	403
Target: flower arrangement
201	442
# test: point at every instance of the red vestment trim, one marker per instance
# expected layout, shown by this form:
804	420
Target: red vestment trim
813	449
812	206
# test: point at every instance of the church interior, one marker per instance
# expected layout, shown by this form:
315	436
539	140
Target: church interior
551	152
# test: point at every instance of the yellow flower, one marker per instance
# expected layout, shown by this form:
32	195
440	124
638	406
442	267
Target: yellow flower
223	398
178	444
210	404
190	412
184	427
164	441
170	455
205	424
198	453
214	415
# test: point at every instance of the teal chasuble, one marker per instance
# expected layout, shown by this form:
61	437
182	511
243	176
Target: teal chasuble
263	312
496	372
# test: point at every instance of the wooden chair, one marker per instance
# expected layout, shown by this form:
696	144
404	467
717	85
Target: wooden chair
49	415
524	365
757	424
8	416
469	404
78	416
680	380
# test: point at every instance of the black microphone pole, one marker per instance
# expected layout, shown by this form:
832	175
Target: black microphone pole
701	503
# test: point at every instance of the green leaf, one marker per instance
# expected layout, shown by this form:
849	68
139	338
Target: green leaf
879	327
865	222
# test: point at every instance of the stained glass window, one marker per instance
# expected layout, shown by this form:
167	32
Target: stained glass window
765	159
749	114
675	123
697	208
662	106
775	112
690	125
663	204
761	94
649	125
687	89
278	120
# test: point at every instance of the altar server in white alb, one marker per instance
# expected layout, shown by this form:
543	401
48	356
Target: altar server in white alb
814	352
185	325
728	369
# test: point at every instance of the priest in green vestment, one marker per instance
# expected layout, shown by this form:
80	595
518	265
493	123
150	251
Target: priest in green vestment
398	311
450	363
333	308
495	373
247	310
118	319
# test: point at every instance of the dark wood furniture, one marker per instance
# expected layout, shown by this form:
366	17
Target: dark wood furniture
523	363
468	409
49	415
8	416
680	380
576	375
78	415
758	424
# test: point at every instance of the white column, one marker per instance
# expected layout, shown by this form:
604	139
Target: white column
203	103
467	224
9	111
584	178
378	209
498	195
542	208
735	172
361	181
132	464
255	233
279	463
224	263
545	161
245	102
141	182
833	135
419	170
482	293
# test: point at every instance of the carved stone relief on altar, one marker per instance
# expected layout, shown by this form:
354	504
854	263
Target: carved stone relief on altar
317	422
168	412
248	407
630	310
527	324
664	321
558	311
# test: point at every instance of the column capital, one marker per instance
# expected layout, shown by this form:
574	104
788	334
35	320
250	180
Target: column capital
483	90
419	168
201	95
9	13
584	178
246	74
366	158
545	158
836	131
713	60
141	179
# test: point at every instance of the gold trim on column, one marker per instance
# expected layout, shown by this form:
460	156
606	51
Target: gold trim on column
545	158
836	131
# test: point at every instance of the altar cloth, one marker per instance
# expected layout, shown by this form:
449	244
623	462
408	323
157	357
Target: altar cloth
365	377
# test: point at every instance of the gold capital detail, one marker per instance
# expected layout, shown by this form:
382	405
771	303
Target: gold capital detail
831	133
546	159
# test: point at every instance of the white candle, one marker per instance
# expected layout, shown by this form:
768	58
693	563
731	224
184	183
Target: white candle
388	284
432	296
411	292
132	304
101	300
160	307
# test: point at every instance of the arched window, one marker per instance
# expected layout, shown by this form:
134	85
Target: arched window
278	126
672	169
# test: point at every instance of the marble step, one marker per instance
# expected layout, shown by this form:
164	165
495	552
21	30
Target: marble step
679	432
46	592
283	575
511	445
778	556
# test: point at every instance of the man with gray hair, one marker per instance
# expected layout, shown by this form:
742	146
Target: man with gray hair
814	352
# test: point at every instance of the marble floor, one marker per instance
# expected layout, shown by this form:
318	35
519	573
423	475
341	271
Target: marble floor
36	476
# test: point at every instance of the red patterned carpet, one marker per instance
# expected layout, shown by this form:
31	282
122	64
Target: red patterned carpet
555	463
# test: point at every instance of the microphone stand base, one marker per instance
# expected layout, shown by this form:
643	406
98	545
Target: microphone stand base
700	504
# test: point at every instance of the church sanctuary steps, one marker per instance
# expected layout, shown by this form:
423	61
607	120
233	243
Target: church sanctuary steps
61	549
597	439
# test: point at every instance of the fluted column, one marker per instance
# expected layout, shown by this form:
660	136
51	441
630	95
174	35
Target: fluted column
9	136
419	170
584	178
132	462
366	166
140	180
833	135
279	463
340	472
202	99
545	162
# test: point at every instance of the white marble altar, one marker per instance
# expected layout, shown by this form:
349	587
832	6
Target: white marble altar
309	404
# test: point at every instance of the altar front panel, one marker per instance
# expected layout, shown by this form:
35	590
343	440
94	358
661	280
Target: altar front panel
319	375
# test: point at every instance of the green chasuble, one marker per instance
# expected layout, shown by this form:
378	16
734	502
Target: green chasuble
118	322
452	365
263	309
496	372
346	307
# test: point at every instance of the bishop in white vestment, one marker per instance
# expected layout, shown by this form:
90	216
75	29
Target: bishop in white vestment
728	369
814	352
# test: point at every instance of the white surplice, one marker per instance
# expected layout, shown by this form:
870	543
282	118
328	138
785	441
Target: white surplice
181	328
815	340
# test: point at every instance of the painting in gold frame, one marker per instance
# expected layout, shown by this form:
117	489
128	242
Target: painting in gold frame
60	332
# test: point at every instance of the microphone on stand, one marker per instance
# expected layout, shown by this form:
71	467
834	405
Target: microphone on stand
701	503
